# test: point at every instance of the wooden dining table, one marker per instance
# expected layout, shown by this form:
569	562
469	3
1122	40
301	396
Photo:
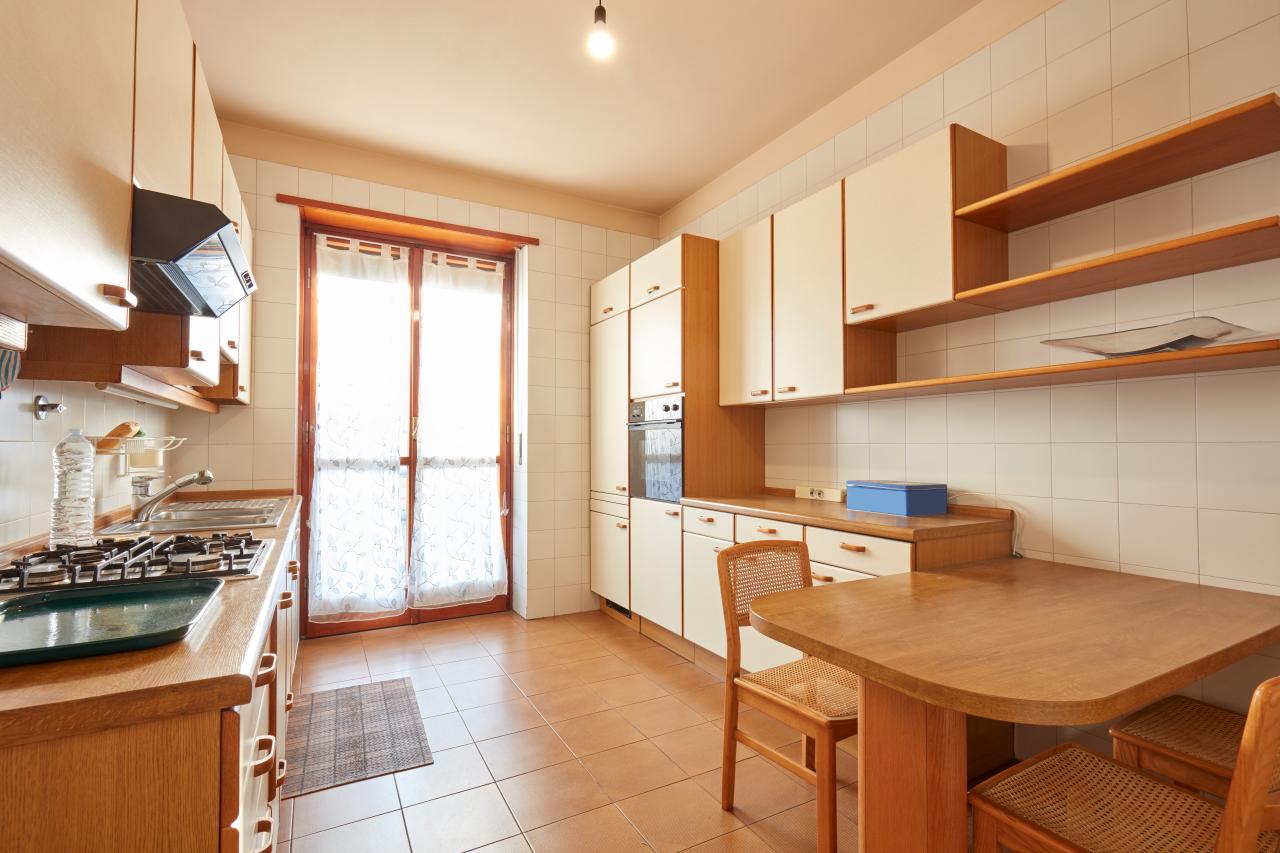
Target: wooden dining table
1020	640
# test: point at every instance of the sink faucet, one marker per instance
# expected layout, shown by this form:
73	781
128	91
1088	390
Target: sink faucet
145	510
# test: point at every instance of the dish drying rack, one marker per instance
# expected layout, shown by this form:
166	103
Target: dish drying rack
142	454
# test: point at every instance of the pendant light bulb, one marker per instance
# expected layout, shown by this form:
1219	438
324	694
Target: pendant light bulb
600	43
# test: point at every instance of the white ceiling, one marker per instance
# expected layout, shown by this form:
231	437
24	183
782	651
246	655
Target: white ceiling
506	88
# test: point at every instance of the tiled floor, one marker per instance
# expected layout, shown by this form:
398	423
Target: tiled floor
565	734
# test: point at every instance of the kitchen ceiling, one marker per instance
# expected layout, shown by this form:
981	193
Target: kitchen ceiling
508	88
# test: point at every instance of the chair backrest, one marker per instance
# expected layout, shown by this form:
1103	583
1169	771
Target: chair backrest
1255	768
753	569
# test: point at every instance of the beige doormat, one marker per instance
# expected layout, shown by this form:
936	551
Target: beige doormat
353	733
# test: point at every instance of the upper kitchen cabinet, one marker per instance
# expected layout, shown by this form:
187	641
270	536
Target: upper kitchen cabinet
206	149
230	339
610	295
656	347
162	116
904	249
808	335
609	403
658	273
67	147
746	315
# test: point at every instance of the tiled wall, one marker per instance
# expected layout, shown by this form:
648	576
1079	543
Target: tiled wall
1177	478
254	447
26	449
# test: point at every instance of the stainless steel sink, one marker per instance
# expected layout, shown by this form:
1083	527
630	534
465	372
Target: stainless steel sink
190	516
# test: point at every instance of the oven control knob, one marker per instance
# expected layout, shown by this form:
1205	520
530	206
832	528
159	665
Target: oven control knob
675	407
665	407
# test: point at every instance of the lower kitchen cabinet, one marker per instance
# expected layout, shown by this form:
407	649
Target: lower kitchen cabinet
610	557
703	610
655	563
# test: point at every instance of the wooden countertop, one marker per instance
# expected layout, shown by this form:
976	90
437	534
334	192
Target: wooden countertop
212	667
961	521
1027	641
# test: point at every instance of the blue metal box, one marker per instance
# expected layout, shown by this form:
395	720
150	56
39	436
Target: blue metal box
896	498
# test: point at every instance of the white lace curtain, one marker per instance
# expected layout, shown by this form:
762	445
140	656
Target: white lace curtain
457	555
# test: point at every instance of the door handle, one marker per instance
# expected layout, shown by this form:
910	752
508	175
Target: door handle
266	670
674	513
762	392
785	389
606	309
620	525
858	309
196	355
653	288
672	385
620	488
231	345
823	578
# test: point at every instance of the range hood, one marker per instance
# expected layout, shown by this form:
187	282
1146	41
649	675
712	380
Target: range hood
185	257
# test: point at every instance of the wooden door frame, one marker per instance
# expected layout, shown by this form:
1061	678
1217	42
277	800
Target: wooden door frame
306	417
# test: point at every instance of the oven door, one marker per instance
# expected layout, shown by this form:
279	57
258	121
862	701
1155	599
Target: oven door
655	457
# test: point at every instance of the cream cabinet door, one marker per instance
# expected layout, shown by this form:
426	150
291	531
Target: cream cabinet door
66	145
656	329
610	558
657	273
808	334
655	562
898	231
760	652
162	116
206	152
610	295
746	315
703	610
232	205
609	401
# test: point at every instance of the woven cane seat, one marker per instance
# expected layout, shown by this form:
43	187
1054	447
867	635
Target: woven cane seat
813	683
1101	805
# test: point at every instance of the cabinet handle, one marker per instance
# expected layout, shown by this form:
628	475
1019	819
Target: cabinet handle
823	578
266	824
288	701
232	345
293	568
653	288
767	530
857	549
286	600
761	393
266	670
266	762
620	525
196	355
672	385
620	488
715	550
706	519
606	309
674	513
241	388
120	296
858	309
785	389
282	770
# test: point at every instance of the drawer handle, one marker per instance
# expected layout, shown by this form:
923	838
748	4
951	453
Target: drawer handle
706	519
122	297
266	824
196	355
674	513
606	309
653	288
767	530
620	525
857	549
266	670
763	392
672	385
232	345
282	770
286	600
715	550
293	568
241	388
266	762
619	488
786	389
288	701
859	309
823	578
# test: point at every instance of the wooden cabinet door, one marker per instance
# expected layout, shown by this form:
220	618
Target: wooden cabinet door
898	231
609	401
703	612
611	558
610	295
162	115
655	562
657	273
746	315
808	334
656	328
66	145
206	152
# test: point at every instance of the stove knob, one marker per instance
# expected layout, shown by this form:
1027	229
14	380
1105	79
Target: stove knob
665	407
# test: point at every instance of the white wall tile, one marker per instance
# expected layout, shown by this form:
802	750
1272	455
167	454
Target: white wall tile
1084	413
1019	104
1086	529
1163	473
884	127
1080	74
1149	41
1084	471
1024	469
422	205
1212	20
386	198
1162	537
1156	410
276	178
1080	131
350	191
1073	23
1151	101
1019	53
922	106
1240	545
968	80
1235	67
1233	407
851	153
1243	477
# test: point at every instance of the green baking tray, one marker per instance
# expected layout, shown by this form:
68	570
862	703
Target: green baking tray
73	623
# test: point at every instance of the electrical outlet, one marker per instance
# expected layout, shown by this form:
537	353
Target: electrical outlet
819	494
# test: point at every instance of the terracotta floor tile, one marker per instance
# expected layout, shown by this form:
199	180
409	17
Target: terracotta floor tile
652	658
501	719
632	769
765	728
521	752
284	826
498	643
602	829
344	804
468	670
435	702
460	822
846	763
535	681
597	732
678	816
847	802
796	831
580	650
739	841
761	789
333	685
551	794
683	676
332	672
571	702
707	701
601	669
631	641
697	749
381	834
423	678
659	716
628	690
380	662
454	770
484	691
446	731
527	659
456	651
320	655
559	635
514	844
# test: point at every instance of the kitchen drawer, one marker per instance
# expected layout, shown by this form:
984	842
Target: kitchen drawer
610	295
749	529
869	554
255	816
823	574
610	507
718	525
657	273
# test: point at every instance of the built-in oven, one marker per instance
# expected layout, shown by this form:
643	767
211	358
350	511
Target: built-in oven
655	452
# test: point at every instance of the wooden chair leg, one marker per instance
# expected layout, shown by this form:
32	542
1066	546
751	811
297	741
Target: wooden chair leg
984	833
825	767
809	745
729	763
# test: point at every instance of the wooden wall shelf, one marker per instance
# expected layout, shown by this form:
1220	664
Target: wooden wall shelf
1230	136
1234	245
1263	353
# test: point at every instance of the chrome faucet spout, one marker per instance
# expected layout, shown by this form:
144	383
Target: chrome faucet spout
144	512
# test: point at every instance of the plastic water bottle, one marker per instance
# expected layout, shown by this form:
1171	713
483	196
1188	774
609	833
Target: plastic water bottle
71	512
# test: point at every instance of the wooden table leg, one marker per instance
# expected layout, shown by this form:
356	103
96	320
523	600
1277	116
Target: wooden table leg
911	774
